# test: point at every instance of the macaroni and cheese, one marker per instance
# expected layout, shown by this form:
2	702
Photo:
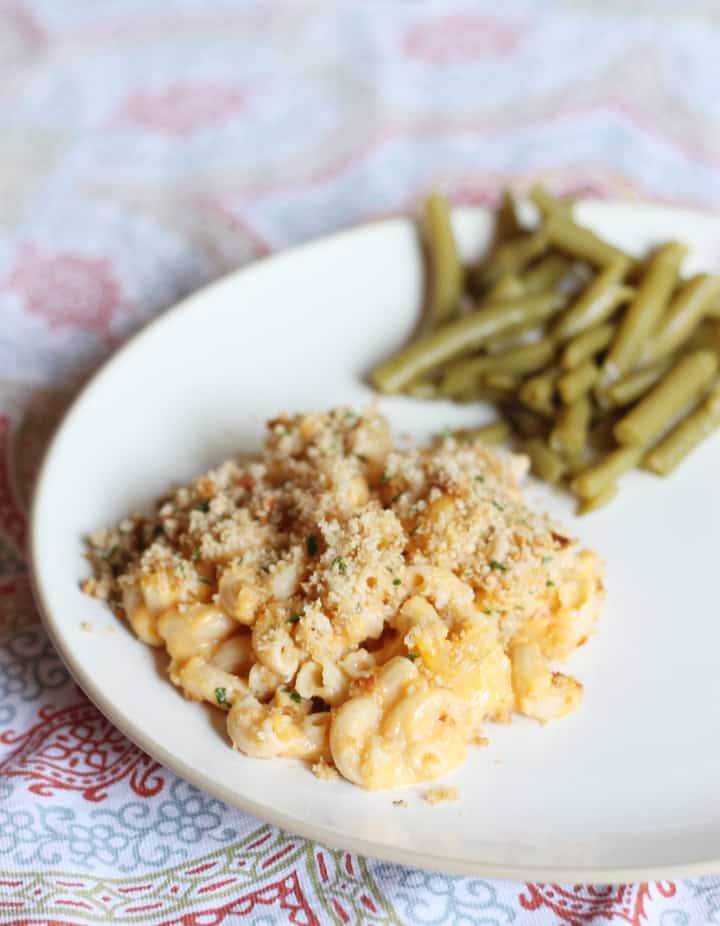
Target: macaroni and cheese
362	607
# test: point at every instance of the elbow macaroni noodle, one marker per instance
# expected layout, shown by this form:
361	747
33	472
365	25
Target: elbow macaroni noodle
346	601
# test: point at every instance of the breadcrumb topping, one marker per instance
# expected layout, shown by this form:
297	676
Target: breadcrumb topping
284	586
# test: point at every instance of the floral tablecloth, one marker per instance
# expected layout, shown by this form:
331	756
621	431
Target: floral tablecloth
146	148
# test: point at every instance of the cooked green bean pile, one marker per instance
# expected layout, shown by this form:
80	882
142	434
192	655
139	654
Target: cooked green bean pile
597	361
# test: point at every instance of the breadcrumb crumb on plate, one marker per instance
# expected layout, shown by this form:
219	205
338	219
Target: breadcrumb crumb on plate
324	771
437	796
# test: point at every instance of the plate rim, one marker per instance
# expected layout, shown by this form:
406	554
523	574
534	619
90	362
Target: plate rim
265	813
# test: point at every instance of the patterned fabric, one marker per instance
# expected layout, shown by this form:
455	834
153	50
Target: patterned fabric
146	148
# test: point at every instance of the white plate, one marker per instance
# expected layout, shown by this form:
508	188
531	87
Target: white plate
625	789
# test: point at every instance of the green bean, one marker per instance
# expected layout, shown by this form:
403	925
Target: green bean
597	302
547	203
480	392
509	257
578	382
463	375
601	400
527	423
545	274
501	381
518	337
577	461
707	334
507	221
538	391
638	270
546	464
507	286
445	272
586	505
580	274
524	359
571	427
683	438
712	337
644	311
586	345
600	436
596	480
632	386
460	336
496	433
646	420
421	389
577	241
685	312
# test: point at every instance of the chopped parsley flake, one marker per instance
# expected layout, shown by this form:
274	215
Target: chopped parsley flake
195	555
479	478
221	697
494	564
293	619
293	695
550	584
395	498
361	457
341	564
312	545
396	581
546	560
412	656
204	505
498	505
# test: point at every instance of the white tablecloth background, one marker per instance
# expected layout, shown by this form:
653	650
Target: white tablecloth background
148	147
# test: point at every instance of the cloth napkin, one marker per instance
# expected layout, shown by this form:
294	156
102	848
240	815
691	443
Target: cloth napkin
147	148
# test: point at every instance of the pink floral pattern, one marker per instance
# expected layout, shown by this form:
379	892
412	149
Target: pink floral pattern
461	38
67	289
182	109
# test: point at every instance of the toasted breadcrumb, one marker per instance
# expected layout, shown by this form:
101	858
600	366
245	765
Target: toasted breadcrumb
285	585
325	771
441	795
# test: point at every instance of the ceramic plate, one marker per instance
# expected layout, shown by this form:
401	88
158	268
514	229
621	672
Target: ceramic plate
625	789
